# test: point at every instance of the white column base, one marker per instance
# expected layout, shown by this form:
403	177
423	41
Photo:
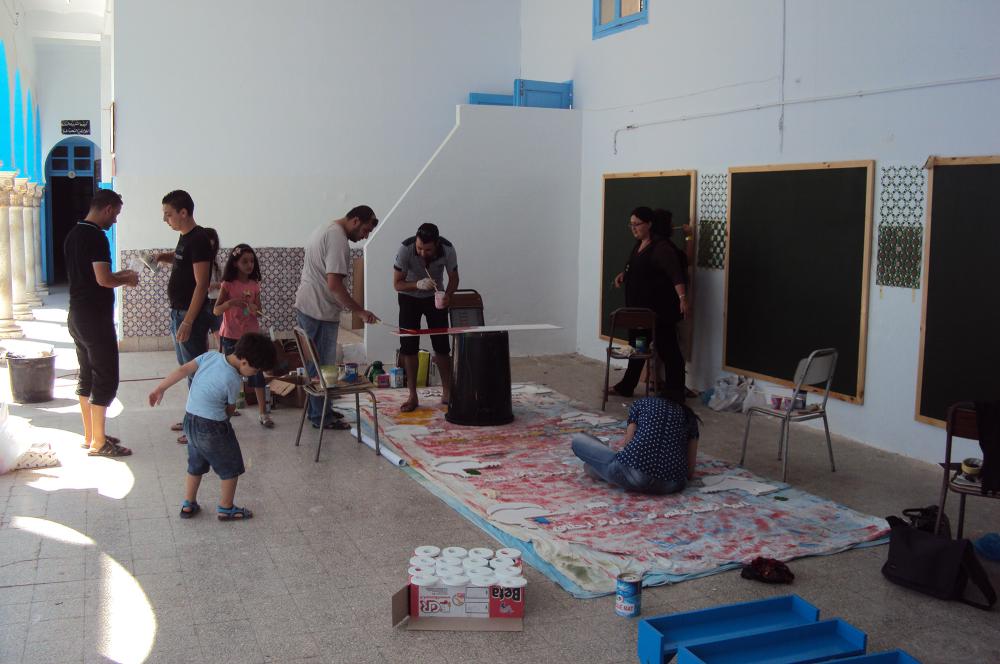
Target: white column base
10	330
23	312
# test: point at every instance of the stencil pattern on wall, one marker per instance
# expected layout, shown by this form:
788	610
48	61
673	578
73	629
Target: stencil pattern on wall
146	311
900	230
712	199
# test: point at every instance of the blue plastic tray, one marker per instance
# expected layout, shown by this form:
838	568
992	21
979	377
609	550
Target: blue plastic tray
889	657
661	636
815	642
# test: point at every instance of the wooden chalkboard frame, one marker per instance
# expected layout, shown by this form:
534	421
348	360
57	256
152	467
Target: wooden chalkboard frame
925	270
693	175
867	164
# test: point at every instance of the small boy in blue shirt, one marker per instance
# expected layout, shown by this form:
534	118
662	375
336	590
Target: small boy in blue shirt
211	401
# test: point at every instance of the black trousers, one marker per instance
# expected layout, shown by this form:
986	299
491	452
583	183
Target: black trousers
96	343
669	351
410	310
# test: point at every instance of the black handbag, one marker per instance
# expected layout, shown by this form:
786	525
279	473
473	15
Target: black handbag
934	565
925	518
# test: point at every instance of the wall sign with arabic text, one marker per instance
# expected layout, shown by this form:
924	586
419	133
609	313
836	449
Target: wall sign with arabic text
76	127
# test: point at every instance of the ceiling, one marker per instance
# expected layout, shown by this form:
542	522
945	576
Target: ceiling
75	20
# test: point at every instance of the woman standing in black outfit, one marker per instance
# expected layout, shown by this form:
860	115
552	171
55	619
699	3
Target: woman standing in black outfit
654	278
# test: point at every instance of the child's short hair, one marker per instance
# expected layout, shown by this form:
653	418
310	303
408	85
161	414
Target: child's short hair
258	350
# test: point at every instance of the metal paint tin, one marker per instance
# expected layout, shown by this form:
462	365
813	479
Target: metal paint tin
628	595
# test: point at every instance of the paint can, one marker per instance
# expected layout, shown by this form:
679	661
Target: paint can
350	372
628	595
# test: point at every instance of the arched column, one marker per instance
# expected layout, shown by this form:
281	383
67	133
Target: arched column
18	293
41	287
28	215
8	328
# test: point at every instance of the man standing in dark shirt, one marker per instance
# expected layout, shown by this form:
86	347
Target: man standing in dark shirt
190	316
92	318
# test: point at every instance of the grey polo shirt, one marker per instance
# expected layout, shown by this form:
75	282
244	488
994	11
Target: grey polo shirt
326	252
412	266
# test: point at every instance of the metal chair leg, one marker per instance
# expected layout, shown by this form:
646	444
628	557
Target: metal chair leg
961	516
607	378
357	411
781	436
829	443
322	425
746	435
784	464
375	416
302	421
941	501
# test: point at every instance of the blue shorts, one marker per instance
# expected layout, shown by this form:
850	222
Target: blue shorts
212	444
226	347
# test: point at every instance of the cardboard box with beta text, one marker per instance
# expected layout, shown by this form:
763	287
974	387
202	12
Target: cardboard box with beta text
460	608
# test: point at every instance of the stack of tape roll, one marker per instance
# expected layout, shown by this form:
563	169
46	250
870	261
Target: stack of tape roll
456	566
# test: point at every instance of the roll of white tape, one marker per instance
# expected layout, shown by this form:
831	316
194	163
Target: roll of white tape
507	571
454	552
471	562
482	580
422	561
425	580
515	554
427	551
512	582
481	552
502	562
459	580
449	560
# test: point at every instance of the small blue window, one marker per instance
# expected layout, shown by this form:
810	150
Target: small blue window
611	16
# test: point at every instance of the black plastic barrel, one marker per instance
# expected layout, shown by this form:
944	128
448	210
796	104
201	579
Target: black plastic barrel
32	379
480	382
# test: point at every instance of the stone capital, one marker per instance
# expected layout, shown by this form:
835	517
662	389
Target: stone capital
19	192
6	186
39	192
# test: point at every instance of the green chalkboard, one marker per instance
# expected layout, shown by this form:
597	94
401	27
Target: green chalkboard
797	269
623	192
959	348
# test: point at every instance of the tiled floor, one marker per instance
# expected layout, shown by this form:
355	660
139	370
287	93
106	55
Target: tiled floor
95	566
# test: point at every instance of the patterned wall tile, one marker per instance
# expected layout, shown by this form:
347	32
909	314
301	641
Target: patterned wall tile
713	192
146	311
900	230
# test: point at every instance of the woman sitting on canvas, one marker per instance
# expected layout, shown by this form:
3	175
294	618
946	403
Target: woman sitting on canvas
660	448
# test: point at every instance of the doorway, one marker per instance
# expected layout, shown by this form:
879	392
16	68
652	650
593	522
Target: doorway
72	180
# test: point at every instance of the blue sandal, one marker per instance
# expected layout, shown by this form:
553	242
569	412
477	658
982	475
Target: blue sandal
233	513
189	509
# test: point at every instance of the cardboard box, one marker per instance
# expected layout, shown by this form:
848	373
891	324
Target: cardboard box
460	608
287	391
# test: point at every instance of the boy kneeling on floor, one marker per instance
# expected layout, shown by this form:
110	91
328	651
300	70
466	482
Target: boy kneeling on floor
211	402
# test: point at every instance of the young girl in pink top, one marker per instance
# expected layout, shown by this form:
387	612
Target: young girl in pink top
239	306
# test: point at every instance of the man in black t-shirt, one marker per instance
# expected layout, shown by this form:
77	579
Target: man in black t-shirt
190	316
92	318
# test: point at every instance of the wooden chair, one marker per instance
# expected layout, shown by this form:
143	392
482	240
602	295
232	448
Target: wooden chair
816	369
960	423
326	387
631	318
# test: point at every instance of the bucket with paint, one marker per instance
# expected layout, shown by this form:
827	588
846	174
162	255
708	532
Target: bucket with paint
439	297
628	595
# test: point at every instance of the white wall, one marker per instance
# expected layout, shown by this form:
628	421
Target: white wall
69	83
278	116
713	57
503	188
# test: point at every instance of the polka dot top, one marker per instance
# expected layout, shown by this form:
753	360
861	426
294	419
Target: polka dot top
659	446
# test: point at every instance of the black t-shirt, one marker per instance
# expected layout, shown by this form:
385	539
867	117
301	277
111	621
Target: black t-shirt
193	247
85	245
650	276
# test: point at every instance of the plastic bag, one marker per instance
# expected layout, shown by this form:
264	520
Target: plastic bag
14	440
756	396
728	394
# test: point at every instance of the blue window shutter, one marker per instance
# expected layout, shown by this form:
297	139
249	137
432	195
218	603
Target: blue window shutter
543	94
487	99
